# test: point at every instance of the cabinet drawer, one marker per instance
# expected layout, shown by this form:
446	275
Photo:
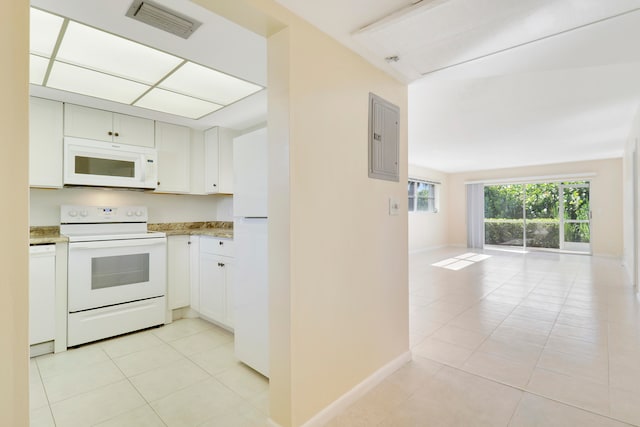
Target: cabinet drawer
216	246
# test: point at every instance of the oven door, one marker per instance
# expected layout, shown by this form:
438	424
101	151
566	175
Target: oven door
110	272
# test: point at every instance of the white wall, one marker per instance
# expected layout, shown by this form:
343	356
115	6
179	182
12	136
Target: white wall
428	230
606	199
630	207
45	204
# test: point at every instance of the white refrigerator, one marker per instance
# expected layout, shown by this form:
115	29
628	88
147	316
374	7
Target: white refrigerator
250	224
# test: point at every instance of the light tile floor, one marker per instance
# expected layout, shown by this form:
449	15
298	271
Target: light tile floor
182	374
537	339
513	340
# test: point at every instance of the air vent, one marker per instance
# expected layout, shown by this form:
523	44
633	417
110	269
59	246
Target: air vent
160	17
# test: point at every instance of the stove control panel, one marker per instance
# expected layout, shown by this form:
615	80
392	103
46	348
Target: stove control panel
77	214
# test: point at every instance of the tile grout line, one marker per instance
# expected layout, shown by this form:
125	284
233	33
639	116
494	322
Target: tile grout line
45	393
555	321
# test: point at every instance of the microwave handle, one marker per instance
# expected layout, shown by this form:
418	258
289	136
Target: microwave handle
118	243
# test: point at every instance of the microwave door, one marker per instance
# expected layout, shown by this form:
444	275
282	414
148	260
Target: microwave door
106	167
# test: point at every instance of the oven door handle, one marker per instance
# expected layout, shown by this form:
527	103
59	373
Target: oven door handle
117	243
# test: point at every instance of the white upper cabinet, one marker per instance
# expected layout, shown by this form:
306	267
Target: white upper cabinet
91	123
173	144
250	157
45	143
211	159
218	160
225	160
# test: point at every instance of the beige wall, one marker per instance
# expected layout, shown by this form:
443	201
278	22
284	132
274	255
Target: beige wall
606	199
429	230
14	252
630	206
339	303
348	263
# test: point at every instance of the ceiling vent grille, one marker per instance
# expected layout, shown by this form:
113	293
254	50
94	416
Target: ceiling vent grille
164	19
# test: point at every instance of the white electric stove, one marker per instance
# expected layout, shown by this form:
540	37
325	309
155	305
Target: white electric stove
116	273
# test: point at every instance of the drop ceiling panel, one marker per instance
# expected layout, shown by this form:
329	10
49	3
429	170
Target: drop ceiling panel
37	69
174	103
198	81
101	51
43	31
86	82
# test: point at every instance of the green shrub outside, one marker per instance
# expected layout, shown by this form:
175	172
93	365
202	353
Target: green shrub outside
541	232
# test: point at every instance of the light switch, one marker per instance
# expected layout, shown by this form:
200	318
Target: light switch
394	206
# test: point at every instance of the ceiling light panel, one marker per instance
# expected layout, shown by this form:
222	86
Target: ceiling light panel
101	51
43	31
205	83
92	83
37	69
174	103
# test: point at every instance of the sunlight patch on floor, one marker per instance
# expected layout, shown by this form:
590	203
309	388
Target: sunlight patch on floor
461	261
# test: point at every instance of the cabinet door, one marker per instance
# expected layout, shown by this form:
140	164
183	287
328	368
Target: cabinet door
133	130
250	160
230	269
211	157
45	143
225	160
84	122
172	144
42	294
196	165
178	271
213	286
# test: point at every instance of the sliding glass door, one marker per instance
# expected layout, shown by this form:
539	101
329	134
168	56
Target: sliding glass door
538	215
541	215
576	224
504	215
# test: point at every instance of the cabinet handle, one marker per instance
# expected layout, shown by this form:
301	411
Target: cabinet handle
221	243
110	133
158	182
117	134
220	264
188	243
215	185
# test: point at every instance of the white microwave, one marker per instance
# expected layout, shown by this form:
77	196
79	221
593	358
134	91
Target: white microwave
106	164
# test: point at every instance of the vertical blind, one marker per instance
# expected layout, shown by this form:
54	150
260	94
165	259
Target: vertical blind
475	216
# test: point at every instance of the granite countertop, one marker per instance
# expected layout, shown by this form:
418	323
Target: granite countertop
40	235
46	234
222	229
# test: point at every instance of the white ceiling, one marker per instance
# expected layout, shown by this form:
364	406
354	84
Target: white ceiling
519	83
217	43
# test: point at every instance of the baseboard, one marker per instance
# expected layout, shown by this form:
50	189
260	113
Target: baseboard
184	313
350	397
40	349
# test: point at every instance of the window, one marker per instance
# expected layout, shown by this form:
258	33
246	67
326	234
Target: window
422	196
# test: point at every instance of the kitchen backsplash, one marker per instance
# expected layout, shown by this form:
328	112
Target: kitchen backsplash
45	204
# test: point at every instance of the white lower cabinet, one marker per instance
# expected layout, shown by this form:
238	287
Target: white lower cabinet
214	275
178	271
